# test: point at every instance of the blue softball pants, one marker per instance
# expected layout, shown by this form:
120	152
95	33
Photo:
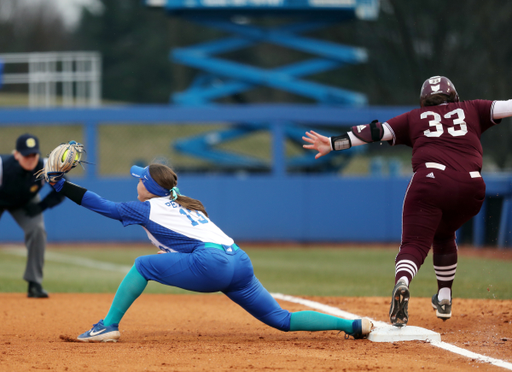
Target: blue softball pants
212	270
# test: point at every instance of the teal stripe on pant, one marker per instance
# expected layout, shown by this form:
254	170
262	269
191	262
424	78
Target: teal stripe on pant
313	321
129	290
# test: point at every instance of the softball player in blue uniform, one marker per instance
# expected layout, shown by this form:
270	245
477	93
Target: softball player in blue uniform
194	255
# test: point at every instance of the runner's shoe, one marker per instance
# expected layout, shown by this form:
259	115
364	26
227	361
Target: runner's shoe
101	333
443	308
398	312
361	328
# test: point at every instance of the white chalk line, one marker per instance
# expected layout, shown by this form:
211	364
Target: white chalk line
443	345
325	308
72	260
85	262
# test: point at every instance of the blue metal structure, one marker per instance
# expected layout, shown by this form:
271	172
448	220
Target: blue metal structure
362	9
232	77
223	78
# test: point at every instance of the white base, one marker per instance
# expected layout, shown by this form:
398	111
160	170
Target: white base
407	333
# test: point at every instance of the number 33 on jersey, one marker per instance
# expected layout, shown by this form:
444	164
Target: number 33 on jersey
448	134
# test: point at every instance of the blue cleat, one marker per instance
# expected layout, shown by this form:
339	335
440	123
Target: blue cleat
101	333
361	328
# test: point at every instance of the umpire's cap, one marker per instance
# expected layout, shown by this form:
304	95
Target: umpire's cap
27	144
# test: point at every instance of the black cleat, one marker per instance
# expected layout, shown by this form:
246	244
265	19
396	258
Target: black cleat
443	308
398	313
35	290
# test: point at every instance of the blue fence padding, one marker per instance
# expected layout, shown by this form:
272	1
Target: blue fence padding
252	208
264	208
255	208
497	185
1	72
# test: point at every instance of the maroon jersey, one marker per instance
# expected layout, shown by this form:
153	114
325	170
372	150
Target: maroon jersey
447	134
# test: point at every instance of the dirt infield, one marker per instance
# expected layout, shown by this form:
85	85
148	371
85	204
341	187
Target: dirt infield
210	333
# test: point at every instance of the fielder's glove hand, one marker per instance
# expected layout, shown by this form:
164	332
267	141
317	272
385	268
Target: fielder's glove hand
61	160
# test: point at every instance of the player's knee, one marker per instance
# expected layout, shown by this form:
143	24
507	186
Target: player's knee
279	320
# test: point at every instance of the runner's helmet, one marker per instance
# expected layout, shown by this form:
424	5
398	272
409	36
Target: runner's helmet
438	85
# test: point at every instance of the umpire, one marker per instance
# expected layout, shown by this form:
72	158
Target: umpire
19	195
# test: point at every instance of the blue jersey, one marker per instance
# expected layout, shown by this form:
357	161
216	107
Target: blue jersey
193	265
170	227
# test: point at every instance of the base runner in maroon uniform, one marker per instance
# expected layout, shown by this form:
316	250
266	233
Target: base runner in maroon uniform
446	189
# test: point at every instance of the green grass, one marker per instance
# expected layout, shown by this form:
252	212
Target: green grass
292	270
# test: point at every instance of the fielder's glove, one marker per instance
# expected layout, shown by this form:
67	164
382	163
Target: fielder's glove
61	160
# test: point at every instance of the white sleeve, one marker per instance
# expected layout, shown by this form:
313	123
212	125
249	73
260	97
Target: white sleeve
502	109
357	142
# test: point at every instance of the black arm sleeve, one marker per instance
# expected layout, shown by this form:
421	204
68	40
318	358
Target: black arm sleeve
73	192
51	200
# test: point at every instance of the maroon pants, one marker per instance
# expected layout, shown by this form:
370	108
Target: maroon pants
437	203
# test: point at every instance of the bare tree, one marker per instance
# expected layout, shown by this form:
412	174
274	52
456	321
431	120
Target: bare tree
31	27
468	41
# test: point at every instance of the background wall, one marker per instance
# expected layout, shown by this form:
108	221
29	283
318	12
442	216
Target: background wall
275	205
251	208
265	208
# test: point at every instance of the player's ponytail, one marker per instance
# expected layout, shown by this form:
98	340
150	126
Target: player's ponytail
165	177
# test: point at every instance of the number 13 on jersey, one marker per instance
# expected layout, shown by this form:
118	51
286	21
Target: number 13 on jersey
195	217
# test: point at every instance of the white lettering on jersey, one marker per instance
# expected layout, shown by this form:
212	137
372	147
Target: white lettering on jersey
360	128
192	224
455	131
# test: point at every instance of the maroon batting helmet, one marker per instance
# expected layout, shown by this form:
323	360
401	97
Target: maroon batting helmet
438	85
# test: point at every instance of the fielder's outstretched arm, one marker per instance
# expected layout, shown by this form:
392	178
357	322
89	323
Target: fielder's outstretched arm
88	199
